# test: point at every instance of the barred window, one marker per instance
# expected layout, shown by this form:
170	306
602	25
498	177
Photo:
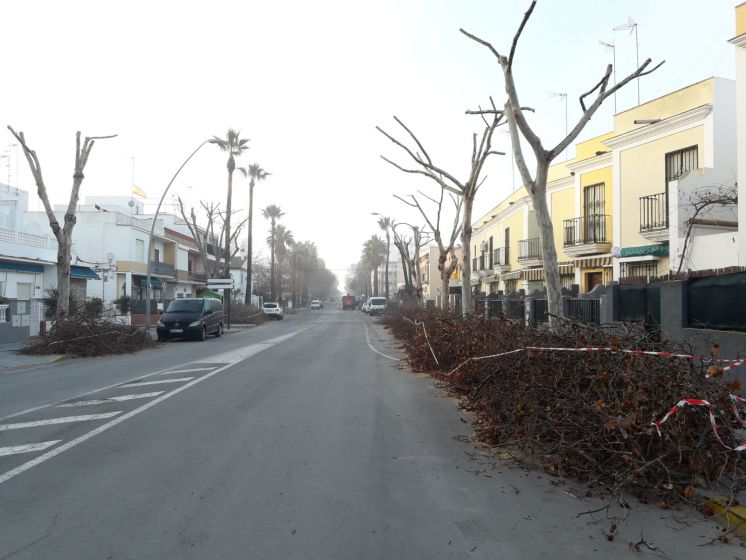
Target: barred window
680	162
640	269
511	286
567	280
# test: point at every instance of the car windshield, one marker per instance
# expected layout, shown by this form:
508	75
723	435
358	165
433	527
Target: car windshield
188	306
378	301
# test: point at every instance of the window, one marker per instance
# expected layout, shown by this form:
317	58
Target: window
511	286
594	206
642	270
491	253
23	290
156	255
680	162
139	250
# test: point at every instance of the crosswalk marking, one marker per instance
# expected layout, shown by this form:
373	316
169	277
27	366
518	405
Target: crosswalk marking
144	383
110	400
29	448
191	370
63	420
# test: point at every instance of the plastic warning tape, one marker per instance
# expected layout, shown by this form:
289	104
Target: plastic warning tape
713	424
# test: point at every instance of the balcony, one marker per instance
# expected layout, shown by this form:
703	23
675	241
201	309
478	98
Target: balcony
529	252
198	277
501	259
587	235
158	267
654	217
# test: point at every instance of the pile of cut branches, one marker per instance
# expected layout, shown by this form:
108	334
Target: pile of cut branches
89	334
585	415
246	314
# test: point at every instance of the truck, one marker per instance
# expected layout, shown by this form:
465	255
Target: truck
348	302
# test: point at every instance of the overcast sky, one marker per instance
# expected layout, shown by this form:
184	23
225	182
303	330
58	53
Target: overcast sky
307	82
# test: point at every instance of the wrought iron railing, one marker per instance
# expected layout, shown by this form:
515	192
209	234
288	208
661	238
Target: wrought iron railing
501	256
586	230
529	248
158	267
653	211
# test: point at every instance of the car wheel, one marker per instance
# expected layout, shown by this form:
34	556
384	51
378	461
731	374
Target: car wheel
202	334
220	331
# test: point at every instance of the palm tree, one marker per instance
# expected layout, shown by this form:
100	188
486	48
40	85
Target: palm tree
384	222
373	251
272	213
255	173
284	241
235	146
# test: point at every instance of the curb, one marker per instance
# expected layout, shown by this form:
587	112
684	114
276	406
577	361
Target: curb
733	517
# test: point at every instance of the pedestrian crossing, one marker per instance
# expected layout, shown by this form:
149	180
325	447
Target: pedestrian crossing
153	381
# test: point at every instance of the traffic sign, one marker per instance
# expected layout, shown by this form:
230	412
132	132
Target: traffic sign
220	283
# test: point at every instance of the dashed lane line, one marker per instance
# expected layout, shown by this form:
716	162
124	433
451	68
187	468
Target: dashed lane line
62	420
367	339
110	400
158	382
29	448
244	353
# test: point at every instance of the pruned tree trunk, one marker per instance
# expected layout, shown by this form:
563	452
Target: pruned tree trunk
63	234
466	231
536	184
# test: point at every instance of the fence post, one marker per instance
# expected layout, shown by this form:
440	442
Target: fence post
609	312
673	308
528	311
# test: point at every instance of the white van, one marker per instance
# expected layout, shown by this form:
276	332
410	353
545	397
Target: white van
376	305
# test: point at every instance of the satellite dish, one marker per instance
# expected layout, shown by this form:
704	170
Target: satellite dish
131	203
616	252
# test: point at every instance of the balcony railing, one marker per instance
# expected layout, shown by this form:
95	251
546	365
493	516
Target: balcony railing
587	230
158	267
653	211
529	249
28	239
198	276
501	256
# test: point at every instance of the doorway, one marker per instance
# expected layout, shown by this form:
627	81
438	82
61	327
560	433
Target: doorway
593	279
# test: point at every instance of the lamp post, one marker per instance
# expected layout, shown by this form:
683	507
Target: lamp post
152	230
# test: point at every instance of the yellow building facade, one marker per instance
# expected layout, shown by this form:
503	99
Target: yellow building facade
615	206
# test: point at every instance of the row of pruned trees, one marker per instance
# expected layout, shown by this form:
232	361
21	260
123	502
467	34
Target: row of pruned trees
466	185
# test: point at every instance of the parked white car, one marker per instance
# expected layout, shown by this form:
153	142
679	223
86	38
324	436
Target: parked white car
316	304
272	310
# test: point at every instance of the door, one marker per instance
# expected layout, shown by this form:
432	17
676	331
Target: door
593	279
594	205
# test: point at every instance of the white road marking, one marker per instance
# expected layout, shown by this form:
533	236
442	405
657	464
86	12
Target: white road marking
192	370
62	420
246	352
367	339
100	389
110	400
30	448
144	383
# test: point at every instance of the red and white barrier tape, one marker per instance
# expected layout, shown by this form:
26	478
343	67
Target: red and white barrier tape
701	402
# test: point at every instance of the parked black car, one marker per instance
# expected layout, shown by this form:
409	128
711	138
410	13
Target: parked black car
191	317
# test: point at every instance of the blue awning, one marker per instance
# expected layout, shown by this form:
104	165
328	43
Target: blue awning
154	282
82	272
21	267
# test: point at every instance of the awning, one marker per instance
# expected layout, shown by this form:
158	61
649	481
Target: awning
21	267
82	272
644	250
489	279
515	275
596	261
154	282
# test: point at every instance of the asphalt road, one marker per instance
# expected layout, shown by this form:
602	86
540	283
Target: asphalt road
302	438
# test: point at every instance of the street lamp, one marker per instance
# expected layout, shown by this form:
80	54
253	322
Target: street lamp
152	230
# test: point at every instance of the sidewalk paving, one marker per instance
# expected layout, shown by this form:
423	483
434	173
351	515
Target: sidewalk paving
10	359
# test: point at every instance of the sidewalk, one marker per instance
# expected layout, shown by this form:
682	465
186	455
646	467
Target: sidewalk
10	359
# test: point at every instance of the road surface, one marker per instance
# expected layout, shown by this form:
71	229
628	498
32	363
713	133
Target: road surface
302	438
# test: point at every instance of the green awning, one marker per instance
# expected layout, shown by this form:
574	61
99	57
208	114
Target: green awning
654	250
21	267
154	282
82	272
